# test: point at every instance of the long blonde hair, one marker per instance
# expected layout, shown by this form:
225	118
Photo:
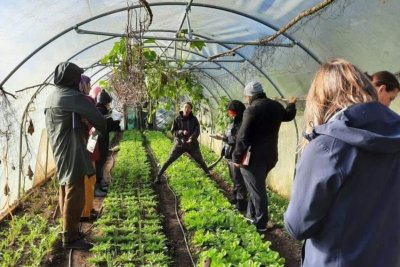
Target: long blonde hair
336	85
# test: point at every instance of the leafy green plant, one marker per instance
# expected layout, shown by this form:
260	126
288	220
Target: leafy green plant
218	232
130	231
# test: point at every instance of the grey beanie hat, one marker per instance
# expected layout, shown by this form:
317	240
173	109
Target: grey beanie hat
253	88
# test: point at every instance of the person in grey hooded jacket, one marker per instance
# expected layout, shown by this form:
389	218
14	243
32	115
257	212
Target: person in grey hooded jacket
64	110
345	201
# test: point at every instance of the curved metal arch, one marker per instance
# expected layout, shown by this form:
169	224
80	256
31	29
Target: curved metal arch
251	63
200	55
227	47
153	4
265	23
215	80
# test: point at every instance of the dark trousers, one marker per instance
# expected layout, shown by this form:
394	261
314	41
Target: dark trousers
99	170
239	187
257	208
177	151
72	200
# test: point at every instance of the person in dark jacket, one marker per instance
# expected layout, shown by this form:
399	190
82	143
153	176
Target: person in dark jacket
64	110
104	106
235	112
259	135
186	130
345	199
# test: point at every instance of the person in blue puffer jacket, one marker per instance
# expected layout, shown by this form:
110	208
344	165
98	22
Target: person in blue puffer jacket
345	200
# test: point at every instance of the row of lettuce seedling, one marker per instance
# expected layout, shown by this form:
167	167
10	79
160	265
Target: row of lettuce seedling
276	204
129	232
217	233
26	239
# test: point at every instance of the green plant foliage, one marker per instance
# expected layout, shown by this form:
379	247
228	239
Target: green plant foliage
222	120
130	231
27	240
219	233
277	204
166	86
197	44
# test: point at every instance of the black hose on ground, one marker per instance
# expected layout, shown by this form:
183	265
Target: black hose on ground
179	222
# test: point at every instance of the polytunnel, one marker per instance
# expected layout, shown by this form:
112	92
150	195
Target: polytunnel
219	45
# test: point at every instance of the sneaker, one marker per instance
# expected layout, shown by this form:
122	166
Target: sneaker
79	244
261	230
104	186
99	193
250	220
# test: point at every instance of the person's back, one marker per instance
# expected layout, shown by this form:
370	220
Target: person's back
354	161
345	200
64	110
260	128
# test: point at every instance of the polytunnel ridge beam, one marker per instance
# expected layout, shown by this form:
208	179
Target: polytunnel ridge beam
163	38
208	61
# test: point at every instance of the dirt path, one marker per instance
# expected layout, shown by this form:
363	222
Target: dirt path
172	229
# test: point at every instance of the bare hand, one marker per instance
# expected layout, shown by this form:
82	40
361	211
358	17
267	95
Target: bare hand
185	132
189	141
219	137
237	165
293	100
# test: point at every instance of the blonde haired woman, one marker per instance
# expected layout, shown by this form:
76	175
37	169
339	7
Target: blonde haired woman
345	201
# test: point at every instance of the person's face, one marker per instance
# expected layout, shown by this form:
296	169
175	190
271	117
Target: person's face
247	100
186	110
386	97
86	90
108	106
231	114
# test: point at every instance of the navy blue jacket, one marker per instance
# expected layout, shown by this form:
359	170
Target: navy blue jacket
346	195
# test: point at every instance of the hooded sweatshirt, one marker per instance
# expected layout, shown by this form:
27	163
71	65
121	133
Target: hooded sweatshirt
345	201
67	138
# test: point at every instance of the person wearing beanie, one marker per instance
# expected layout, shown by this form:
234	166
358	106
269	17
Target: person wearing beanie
104	106
186	130
258	137
64	110
235	112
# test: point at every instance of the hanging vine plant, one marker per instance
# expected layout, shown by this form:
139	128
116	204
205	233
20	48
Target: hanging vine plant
140	76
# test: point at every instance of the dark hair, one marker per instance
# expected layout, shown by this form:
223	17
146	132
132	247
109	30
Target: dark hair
189	103
385	78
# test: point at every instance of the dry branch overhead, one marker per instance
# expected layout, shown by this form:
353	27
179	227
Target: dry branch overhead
282	30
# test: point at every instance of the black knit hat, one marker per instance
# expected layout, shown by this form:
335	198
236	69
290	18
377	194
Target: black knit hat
104	98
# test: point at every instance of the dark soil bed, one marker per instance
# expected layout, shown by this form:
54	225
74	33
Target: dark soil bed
167	203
